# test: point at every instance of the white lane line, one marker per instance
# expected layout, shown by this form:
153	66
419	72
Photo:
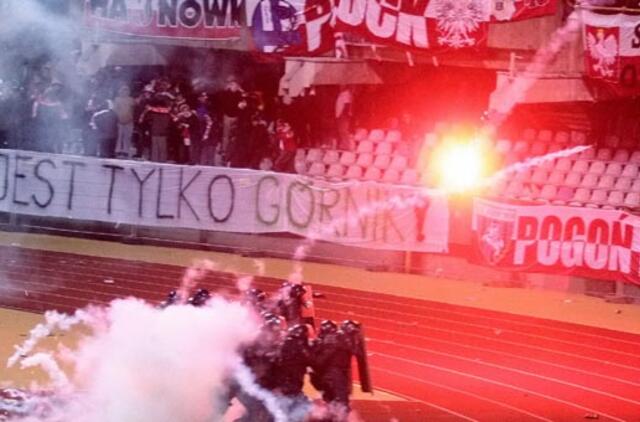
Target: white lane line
466	393
426	308
501	384
486	338
433	405
519	371
486	327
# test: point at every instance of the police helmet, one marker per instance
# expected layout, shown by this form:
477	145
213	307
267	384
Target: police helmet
327	327
299	331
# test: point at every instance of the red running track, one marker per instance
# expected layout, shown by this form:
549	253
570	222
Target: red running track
452	363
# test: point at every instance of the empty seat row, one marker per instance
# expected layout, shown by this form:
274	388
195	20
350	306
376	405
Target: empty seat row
377	136
574	179
338	171
561	195
348	158
370	147
561	137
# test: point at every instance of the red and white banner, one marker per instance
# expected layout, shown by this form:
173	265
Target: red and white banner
612	52
603	244
185	19
410	24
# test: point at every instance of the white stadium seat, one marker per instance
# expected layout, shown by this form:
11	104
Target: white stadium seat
580	197
589	180
300	167
623	183
578	138
393	136
556	178
316	169
391	176
635	187
382	161
372	173
331	157
538	148
597	167
604	154
376	135
529	134
361	134
561	138
409	177
606	182
614	169
335	171
573	179
365	146
630	170
635	157
564	195
300	154
598	197
384	148
632	200
353	172
539	176
564	164
545	135
621	156
616	198
348	158
521	147
522	175
514	189
548	192
399	162
580	167
364	160
587	154
314	155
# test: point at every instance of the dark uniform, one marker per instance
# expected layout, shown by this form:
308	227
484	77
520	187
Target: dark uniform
172	299
332	353
200	298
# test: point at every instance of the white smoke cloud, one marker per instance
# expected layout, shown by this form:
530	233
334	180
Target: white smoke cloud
146	364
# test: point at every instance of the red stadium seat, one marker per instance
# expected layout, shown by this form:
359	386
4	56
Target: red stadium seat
529	134
556	178
635	157
315	155
376	135
300	167
539	176
621	156
604	154
606	181
399	163
587	154
580	197
597	167
564	164
616	199
384	148
548	192
598	197
545	136
360	135
393	136
409	177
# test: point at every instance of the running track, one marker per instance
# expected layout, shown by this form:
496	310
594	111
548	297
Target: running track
452	363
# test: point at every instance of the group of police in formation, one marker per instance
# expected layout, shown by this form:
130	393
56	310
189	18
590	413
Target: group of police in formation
288	348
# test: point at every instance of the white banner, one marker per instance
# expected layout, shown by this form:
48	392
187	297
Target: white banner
362	214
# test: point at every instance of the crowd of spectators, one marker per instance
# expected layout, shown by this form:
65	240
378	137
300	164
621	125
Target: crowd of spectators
160	119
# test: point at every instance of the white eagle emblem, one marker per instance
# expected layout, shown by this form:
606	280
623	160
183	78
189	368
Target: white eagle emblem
456	20
603	51
492	242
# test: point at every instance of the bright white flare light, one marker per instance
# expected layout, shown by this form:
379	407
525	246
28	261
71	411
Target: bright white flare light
461	166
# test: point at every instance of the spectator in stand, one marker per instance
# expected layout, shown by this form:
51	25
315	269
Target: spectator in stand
49	119
105	124
344	104
259	142
204	145
233	103
187	125
287	146
123	105
157	117
141	129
